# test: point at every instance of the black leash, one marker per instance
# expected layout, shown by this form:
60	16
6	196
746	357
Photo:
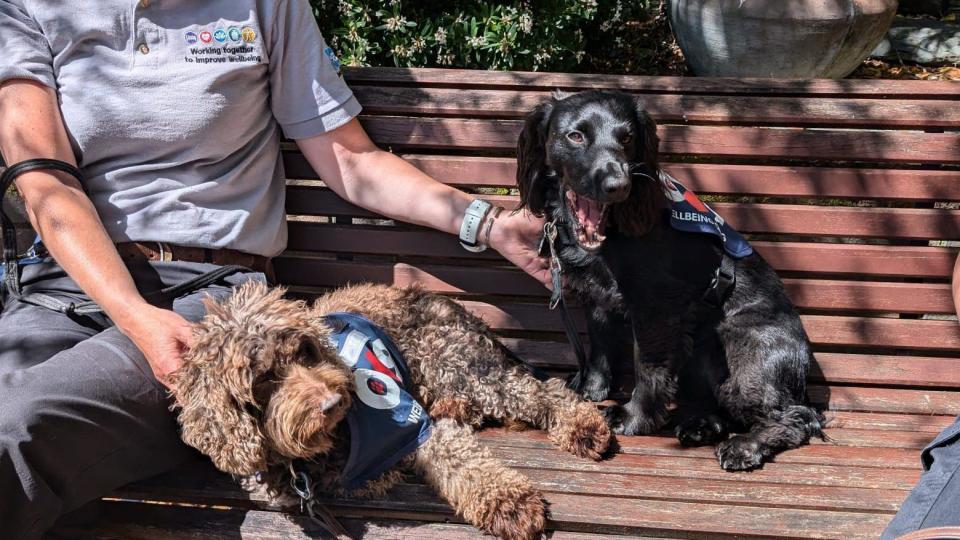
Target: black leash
302	485
557	298
11	276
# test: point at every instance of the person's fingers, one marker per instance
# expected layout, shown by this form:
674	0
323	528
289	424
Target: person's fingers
185	335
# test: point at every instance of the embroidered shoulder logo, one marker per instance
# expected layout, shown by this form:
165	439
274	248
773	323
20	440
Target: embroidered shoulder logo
216	44
334	61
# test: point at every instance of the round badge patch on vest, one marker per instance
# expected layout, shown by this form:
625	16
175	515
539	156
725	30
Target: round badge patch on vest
376	389
248	34
191	38
220	35
206	36
234	33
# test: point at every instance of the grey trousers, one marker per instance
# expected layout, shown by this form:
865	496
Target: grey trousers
935	501
80	410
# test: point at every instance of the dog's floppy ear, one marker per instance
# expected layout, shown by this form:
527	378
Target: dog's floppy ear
638	214
532	172
240	339
648	147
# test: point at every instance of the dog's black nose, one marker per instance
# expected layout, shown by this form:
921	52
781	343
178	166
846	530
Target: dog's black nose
616	186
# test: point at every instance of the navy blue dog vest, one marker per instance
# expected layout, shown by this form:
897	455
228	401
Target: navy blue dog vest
688	213
386	422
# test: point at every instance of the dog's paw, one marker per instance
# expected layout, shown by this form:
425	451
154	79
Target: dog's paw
592	385
623	422
701	430
740	453
519	513
584	433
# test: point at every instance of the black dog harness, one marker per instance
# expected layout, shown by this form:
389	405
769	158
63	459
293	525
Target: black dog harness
688	214
10	271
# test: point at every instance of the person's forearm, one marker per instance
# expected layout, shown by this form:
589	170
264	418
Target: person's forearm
30	127
384	183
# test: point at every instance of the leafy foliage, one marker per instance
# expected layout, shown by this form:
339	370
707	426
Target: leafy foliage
551	35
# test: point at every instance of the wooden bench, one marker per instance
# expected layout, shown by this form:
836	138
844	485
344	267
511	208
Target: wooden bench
849	188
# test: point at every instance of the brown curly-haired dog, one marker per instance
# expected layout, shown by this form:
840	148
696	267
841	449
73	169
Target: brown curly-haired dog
262	386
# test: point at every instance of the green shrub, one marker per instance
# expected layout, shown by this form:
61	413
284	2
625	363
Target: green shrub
522	35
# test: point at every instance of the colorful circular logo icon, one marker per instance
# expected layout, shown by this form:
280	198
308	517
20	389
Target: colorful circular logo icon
234	33
220	35
248	34
206	36
191	38
376	389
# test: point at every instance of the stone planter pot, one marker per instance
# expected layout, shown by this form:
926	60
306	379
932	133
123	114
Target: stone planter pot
779	38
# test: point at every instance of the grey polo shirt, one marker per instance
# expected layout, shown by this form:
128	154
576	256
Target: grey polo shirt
175	107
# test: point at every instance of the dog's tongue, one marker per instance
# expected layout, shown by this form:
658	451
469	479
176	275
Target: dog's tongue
589	214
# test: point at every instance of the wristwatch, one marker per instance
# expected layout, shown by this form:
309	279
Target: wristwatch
472	221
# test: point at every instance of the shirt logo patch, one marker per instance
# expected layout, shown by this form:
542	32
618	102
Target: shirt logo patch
191	38
220	35
332	56
234	34
248	34
206	36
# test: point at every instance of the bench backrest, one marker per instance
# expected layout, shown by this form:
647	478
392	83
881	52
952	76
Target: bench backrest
849	188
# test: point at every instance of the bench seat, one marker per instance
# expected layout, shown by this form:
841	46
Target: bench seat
850	189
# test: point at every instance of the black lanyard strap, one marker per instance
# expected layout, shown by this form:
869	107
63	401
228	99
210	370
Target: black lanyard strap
11	277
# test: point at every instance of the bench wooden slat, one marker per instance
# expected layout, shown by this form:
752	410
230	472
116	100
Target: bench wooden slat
885	400
131	521
822	329
838	368
706	178
452	279
902	456
745	217
518	81
703	141
859	259
673	109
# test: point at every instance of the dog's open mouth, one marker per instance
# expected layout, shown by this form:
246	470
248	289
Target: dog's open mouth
590	220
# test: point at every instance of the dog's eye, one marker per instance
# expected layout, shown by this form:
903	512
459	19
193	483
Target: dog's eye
626	139
576	137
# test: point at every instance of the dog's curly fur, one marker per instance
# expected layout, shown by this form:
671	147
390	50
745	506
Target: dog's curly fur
740	367
261	386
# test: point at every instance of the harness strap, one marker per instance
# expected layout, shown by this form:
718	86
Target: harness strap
724	280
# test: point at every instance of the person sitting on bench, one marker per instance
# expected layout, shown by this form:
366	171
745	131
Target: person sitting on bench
935	501
173	111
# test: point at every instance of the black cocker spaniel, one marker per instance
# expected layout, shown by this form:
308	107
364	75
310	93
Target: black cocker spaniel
738	363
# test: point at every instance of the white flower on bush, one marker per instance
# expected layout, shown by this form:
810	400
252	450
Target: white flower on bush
476	41
441	36
396	22
401	52
526	23
418	44
445	59
344	7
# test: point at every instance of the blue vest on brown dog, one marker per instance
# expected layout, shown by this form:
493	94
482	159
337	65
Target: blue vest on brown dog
386	422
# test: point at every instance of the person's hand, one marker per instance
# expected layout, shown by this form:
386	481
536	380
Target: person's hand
161	335
517	236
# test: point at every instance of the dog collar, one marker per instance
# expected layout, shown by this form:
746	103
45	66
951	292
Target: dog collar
386	422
